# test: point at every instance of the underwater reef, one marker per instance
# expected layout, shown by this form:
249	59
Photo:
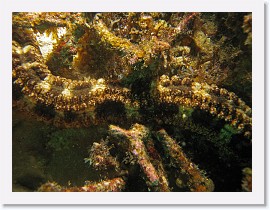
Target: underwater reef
132	102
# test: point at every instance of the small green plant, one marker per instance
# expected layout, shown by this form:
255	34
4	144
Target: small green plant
64	139
226	133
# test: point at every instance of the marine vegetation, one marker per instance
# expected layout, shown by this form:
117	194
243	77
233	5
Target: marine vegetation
164	98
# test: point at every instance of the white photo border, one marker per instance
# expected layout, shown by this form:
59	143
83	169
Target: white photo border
257	196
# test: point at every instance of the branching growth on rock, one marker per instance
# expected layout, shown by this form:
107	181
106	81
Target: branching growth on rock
147	71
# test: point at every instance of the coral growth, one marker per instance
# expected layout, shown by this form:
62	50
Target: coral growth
100	157
114	185
196	179
217	101
247	180
156	180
